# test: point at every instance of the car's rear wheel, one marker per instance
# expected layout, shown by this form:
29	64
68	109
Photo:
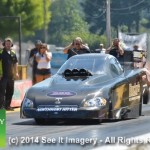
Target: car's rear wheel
144	99
146	95
140	107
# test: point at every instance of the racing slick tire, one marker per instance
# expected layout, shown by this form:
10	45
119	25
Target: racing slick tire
144	99
140	105
146	95
110	114
98	121
40	121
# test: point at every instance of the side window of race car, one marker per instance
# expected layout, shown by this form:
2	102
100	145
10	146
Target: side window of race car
115	67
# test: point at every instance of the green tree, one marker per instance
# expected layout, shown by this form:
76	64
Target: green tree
67	19
95	15
127	13
123	13
145	21
31	13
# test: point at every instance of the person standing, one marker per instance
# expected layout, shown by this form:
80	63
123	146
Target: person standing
43	58
101	49
32	60
138	57
70	46
8	73
79	48
116	49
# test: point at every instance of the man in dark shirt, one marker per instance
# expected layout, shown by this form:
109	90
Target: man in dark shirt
116	49
8	72
33	52
78	49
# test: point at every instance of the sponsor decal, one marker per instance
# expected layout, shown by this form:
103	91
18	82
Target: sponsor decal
57	108
134	91
2	128
61	93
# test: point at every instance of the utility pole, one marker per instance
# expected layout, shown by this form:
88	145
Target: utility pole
108	23
44	16
19	21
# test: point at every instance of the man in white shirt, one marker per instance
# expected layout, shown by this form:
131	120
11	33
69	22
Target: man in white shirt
101	49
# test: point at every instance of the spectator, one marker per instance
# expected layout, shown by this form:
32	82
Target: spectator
86	45
32	60
79	48
8	72
138	57
101	49
43	58
70	46
116	49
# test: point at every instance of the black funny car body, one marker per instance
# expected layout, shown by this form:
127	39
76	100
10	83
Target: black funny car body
87	86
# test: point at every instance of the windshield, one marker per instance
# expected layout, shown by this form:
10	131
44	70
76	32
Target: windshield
94	65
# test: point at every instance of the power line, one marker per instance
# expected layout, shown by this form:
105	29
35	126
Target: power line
132	6
116	9
95	4
131	12
100	15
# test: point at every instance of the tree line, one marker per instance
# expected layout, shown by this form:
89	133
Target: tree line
67	19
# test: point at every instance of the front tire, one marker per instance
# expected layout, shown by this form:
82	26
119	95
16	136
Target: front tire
39	121
110	114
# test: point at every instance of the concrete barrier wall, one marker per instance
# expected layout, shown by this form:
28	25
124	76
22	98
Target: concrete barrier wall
21	86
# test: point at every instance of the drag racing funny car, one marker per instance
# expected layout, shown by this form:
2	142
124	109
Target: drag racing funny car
87	86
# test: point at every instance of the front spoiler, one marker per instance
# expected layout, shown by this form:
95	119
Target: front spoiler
81	113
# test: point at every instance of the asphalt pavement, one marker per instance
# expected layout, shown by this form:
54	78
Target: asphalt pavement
76	135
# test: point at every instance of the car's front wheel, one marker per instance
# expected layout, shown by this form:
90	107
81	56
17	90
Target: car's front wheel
39	121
